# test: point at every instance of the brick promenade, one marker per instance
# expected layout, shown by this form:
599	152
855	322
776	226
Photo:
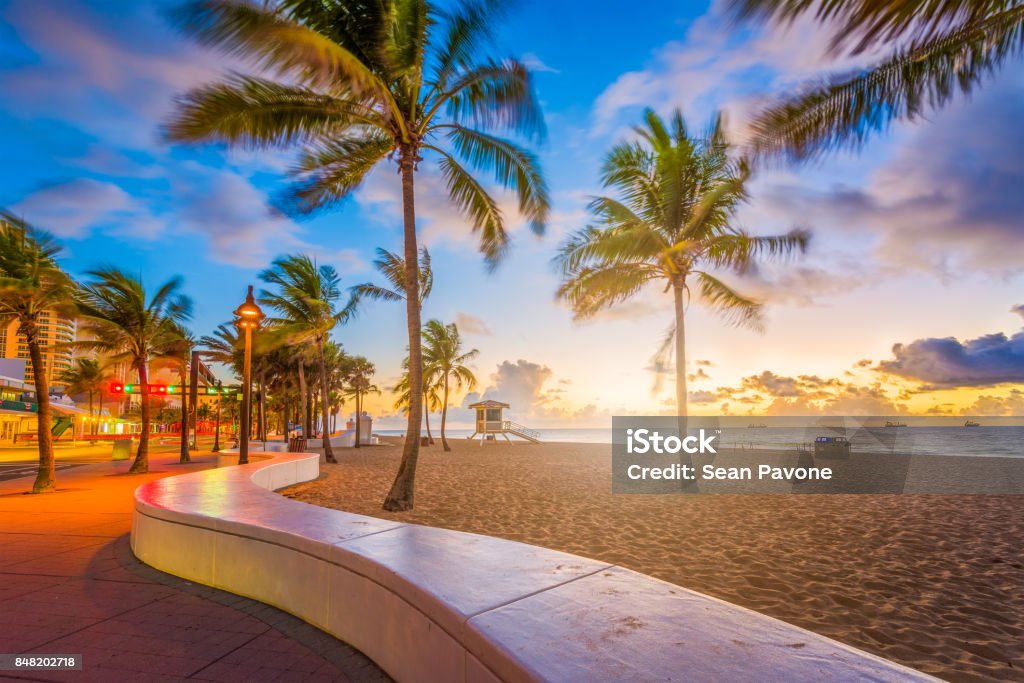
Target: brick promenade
69	584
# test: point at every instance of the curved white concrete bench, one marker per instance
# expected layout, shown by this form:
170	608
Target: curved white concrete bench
433	605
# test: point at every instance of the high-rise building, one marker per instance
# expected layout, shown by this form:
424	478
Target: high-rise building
53	329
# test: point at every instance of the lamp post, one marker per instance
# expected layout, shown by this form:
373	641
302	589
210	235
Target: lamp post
216	429
247	317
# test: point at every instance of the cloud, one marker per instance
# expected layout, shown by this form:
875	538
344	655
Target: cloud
437	219
771	394
773	384
947	362
535	63
76	207
947	201
716	66
700	397
1011	404
698	376
522	384
470	324
1018	309
235	219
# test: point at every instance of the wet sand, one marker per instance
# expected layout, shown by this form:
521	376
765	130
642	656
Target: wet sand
935	582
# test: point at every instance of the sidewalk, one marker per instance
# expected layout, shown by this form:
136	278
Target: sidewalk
69	584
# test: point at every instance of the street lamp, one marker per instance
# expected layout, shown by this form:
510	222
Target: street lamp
247	317
216	429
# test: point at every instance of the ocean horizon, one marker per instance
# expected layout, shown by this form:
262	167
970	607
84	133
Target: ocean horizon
992	441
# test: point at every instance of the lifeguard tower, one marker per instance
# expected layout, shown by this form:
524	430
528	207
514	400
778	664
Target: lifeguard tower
490	422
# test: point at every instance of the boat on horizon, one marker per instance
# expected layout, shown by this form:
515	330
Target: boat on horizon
895	424
972	423
757	426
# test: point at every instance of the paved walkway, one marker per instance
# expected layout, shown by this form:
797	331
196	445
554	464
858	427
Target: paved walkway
69	584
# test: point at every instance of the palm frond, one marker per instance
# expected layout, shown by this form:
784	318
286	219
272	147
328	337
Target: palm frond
470	197
278	44
844	113
513	167
733	307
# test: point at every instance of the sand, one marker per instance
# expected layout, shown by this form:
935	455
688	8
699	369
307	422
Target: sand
935	582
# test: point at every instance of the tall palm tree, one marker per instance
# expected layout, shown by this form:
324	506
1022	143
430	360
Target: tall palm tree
32	282
672	225
306	297
177	349
443	357
86	376
125	321
355	87
935	50
358	371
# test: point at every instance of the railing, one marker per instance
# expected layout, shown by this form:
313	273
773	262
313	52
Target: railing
516	428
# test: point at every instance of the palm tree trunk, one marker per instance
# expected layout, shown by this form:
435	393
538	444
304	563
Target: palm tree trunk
263	404
46	479
183	455
400	497
284	419
680	352
359	427
141	464
99	413
302	399
426	420
681	396
92	416
444	414
325	405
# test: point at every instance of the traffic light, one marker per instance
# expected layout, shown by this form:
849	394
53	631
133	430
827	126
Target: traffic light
119	388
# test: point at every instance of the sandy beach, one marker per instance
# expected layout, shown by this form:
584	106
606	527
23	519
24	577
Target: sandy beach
930	581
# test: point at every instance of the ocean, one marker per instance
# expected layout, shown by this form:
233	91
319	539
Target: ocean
1002	441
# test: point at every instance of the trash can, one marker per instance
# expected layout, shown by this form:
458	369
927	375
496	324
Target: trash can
297	445
122	449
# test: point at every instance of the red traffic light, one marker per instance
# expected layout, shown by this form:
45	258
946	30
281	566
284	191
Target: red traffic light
117	388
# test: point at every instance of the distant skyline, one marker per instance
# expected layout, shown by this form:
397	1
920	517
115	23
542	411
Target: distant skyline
908	301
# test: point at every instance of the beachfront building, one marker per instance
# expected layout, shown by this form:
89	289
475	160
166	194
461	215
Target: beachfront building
53	329
490	421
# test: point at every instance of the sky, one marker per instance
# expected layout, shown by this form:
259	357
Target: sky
908	300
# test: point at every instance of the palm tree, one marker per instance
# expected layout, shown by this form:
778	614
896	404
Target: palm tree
392	267
358	371
394	80
431	396
86	376
935	50
177	349
444	359
31	282
123	320
673	224
306	300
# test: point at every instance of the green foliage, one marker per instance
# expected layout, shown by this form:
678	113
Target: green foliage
31	281
354	84
121	319
392	267
443	357
671	223
937	49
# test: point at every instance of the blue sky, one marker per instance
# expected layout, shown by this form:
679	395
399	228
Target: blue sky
917	239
